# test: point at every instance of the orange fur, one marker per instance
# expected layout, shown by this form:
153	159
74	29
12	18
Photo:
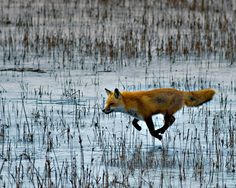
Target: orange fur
142	105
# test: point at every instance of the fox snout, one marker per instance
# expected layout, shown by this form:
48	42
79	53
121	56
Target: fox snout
107	111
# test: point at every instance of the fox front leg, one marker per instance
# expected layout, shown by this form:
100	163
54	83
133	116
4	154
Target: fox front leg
152	131
136	125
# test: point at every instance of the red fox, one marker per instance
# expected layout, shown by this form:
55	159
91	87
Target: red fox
142	105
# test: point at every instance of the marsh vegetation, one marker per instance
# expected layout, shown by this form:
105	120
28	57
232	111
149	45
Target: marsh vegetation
56	58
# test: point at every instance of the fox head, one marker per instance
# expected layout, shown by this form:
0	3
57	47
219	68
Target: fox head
114	102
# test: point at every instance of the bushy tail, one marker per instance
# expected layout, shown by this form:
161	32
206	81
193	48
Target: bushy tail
196	98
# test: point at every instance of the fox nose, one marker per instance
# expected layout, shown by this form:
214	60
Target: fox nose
107	111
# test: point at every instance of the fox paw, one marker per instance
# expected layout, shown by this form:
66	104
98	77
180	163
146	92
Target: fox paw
159	137
138	128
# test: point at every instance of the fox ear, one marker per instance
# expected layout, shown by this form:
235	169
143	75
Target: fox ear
108	91
117	93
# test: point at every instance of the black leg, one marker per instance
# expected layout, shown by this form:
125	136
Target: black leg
151	129
169	120
172	120
136	125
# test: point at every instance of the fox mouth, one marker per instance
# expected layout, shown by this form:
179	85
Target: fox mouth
107	111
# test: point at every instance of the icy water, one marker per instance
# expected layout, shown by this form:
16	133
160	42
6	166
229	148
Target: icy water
56	59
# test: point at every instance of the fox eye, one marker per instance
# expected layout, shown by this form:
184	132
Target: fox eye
112	103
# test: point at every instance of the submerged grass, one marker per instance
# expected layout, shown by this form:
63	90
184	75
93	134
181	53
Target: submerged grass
58	56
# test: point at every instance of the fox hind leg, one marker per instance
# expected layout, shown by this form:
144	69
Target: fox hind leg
169	120
176	105
136	125
172	120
